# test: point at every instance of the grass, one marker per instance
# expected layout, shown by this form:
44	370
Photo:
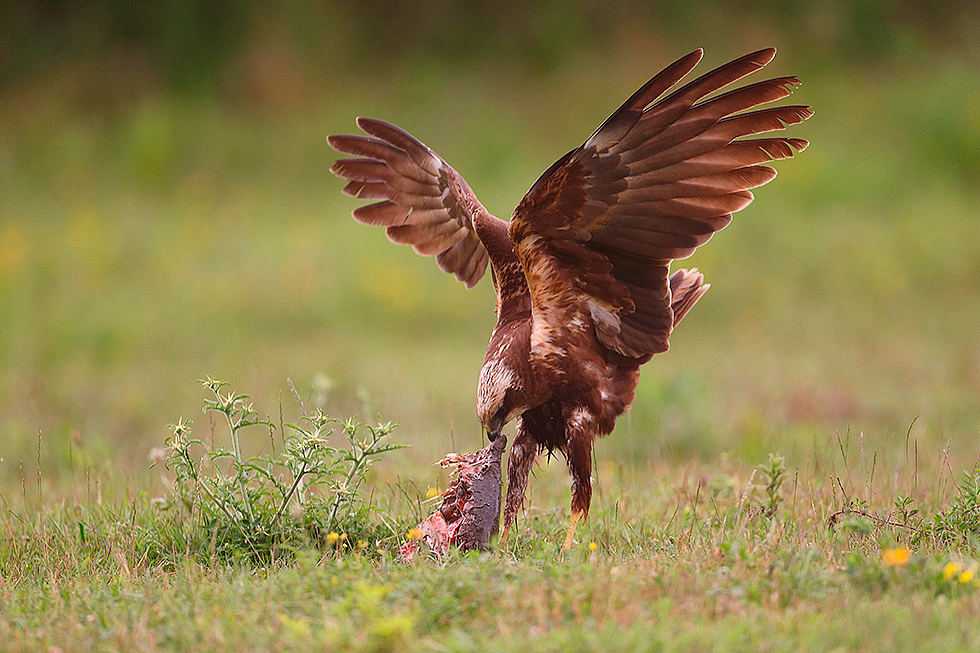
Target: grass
145	247
709	557
847	547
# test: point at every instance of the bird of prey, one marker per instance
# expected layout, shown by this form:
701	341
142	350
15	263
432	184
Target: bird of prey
581	272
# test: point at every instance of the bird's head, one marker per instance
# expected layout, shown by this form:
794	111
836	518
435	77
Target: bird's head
497	400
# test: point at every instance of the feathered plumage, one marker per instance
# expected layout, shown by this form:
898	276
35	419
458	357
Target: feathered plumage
584	292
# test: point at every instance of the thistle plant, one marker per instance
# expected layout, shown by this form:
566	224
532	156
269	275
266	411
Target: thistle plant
959	523
263	504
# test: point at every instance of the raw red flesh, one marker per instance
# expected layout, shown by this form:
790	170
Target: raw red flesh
470	511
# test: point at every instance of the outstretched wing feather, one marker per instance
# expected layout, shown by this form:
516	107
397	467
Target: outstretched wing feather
644	188
598	230
424	203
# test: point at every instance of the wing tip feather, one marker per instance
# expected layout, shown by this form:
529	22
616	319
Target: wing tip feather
763	56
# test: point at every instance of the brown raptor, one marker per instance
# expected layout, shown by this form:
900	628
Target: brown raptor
581	271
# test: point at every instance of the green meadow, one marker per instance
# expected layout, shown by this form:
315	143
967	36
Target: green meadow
801	471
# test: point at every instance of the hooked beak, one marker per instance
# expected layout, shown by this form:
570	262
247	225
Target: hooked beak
492	435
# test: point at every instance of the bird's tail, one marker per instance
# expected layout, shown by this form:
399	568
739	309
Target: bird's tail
686	288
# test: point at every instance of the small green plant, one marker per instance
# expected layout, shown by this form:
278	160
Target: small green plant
905	513
263	506
959	523
773	474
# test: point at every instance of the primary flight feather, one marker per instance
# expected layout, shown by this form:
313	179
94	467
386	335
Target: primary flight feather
582	270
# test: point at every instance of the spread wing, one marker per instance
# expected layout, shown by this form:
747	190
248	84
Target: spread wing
653	183
424	202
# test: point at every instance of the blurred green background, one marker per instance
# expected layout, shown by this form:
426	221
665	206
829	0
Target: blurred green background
166	212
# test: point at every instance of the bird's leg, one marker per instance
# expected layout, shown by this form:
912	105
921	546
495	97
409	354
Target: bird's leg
578	452
503	536
519	462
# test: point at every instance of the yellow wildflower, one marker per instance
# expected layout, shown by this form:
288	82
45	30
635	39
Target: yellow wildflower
332	538
967	575
592	546
432	492
362	544
896	557
951	570
415	534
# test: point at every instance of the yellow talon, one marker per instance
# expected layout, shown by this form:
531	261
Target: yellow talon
576	516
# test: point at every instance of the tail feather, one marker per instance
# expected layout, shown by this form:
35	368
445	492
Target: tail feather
686	288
